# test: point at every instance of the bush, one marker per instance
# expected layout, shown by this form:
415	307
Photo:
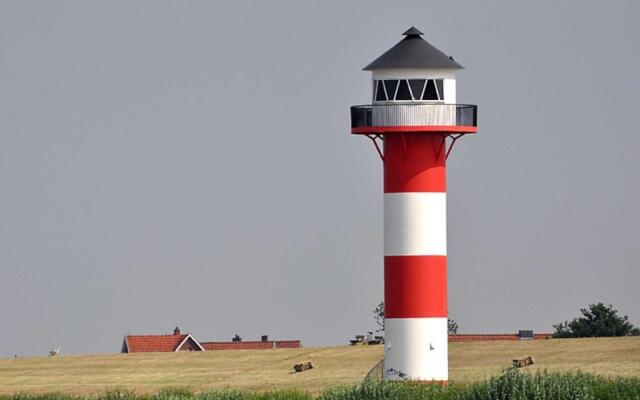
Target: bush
598	320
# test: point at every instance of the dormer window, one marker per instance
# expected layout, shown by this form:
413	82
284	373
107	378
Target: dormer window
408	90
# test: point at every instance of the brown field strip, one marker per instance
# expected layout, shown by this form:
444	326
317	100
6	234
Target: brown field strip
272	369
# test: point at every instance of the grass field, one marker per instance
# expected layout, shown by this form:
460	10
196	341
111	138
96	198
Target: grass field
271	369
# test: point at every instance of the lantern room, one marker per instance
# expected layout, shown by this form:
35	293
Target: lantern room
413	90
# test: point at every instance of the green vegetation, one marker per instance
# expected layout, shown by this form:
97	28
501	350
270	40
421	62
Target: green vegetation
598	320
378	316
511	385
452	327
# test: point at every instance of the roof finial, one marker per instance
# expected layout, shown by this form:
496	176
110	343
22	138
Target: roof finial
413	31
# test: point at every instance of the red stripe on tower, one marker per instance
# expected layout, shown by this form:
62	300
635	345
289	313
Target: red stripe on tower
414	163
415	286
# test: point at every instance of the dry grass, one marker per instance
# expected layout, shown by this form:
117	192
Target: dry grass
602	356
271	369
250	369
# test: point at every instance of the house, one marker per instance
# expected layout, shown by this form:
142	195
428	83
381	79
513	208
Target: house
186	342
263	344
492	337
160	343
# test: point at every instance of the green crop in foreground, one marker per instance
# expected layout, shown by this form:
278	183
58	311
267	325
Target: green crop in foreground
511	385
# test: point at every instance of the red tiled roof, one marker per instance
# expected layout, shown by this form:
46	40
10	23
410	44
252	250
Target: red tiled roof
252	345
288	344
237	345
490	337
153	343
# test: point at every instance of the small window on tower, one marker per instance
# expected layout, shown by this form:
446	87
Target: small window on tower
391	87
380	96
403	91
430	92
440	87
417	85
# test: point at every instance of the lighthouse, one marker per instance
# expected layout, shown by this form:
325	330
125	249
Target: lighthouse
414	121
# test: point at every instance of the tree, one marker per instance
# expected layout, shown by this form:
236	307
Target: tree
598	320
378	315
452	327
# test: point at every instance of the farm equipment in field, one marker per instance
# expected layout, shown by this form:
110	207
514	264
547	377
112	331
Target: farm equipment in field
303	366
523	362
369	339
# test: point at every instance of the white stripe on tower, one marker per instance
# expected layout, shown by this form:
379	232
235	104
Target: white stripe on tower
416	348
415	224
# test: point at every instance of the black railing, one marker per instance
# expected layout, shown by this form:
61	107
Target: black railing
466	114
361	116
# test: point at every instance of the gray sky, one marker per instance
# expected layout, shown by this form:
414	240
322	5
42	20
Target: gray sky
190	163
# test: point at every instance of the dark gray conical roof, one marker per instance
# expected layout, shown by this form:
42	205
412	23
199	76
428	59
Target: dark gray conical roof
413	52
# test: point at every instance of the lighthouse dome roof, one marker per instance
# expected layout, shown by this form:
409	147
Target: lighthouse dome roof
413	52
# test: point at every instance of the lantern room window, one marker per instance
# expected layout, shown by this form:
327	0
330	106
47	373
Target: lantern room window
417	87
403	92
391	86
380	93
430	92
408	90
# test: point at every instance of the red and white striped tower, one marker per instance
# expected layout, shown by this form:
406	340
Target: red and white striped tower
415	116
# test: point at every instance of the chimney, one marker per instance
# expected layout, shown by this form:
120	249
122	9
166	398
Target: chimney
176	331
265	338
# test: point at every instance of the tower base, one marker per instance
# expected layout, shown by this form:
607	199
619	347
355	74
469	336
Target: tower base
416	350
